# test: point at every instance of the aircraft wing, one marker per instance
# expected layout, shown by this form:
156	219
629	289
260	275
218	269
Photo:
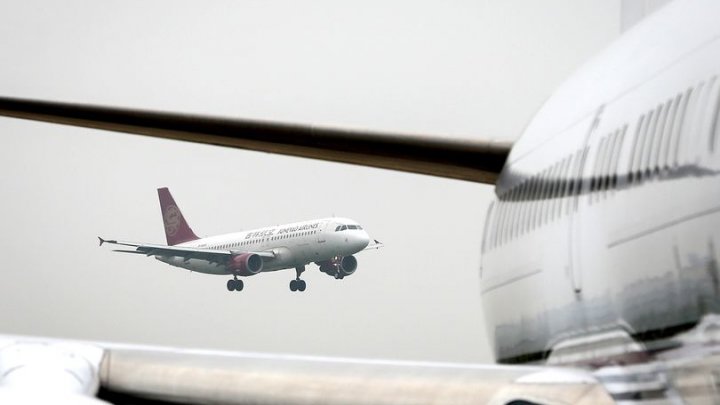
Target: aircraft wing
196	376
77	371
211	255
479	160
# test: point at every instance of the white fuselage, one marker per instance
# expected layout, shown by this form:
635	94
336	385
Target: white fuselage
607	213
291	245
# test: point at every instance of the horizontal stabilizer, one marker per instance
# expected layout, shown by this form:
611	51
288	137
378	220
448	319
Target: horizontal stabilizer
128	251
375	245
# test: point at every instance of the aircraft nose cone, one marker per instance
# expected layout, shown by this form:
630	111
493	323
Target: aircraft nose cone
362	240
357	241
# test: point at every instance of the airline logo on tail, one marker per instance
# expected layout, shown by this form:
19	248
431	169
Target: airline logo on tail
172	220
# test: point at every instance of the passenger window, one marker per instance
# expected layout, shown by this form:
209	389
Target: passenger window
648	137
667	133
529	195
579	181
692	126
555	191
564	164
510	209
705	120
566	176
632	166
714	125
558	189
609	157
596	167
501	220
675	142
522	201
658	138
511	213
516	211
506	217
537	210
493	224
537	195
515	207
496	222
614	172
527	206
489	222
569	173
547	204
560	186
547	196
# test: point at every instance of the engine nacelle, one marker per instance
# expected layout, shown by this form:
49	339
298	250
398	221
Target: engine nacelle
245	264
340	267
347	265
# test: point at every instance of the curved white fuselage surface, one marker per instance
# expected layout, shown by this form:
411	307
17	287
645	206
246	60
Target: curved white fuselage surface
607	213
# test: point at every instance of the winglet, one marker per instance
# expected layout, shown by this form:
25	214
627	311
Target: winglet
101	241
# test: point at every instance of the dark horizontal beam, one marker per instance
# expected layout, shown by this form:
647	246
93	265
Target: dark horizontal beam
478	161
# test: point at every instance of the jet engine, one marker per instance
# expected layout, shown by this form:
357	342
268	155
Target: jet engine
339	267
245	264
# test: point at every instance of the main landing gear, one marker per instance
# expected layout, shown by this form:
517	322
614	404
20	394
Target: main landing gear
297	284
235	284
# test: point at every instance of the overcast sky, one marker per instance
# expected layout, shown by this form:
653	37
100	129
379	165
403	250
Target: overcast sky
466	69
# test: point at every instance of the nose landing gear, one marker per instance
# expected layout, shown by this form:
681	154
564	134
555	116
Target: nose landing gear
298	284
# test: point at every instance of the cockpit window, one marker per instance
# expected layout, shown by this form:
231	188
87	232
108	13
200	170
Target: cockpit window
345	227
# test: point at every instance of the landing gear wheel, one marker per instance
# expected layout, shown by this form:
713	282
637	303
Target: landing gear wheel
235	285
301	285
293	285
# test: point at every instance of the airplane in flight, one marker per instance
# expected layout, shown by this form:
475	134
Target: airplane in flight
328	242
600	250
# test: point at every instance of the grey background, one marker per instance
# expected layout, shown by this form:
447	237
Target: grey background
466	69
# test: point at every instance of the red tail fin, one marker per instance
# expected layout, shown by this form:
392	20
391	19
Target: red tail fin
176	229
